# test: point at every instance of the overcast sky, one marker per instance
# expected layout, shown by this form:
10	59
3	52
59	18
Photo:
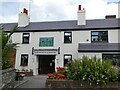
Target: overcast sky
56	10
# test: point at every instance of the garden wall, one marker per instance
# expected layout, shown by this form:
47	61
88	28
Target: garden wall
77	85
8	78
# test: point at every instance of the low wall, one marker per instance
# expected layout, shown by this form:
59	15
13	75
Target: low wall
77	85
8	78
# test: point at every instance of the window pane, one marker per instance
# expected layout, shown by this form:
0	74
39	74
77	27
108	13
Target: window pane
67	34
103	36
95	33
68	37
26	35
24	59
67	58
25	38
99	36
114	57
94	38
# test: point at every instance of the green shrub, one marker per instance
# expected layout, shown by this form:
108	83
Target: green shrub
7	47
119	75
92	70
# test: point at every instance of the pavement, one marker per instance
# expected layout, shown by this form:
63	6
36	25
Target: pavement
37	81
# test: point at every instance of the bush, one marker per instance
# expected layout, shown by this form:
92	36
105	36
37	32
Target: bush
119	75
92	70
7	47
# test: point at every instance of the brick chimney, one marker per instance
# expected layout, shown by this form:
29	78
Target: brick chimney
23	19
81	16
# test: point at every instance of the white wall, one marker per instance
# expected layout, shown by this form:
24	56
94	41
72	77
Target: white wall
90	55
114	36
72	48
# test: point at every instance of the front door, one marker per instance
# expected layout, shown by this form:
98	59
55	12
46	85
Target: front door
46	64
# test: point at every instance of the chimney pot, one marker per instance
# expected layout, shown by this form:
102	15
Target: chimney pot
79	7
25	11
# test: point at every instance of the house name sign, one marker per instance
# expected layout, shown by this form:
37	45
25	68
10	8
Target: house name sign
45	51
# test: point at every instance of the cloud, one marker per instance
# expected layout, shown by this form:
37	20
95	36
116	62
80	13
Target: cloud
100	8
67	9
52	10
10	19
56	10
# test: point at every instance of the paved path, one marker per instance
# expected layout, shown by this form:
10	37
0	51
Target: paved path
37	81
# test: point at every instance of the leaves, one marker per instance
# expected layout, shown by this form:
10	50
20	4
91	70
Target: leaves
7	48
92	70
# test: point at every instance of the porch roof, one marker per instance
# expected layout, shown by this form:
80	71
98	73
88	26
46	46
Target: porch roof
99	47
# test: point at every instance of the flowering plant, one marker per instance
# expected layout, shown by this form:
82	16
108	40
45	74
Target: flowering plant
58	69
31	70
59	75
21	75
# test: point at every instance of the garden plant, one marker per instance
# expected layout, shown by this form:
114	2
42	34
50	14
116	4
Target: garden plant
91	70
7	47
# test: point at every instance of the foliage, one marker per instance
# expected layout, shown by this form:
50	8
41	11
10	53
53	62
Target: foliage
119	75
92	70
7	48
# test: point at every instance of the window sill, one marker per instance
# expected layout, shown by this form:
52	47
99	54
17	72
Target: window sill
24	65
25	43
68	43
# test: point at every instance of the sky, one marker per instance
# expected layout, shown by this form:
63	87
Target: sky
56	10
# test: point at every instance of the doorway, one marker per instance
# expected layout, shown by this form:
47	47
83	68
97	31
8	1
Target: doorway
46	64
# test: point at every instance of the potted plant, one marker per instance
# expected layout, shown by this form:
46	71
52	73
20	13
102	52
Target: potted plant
29	73
21	76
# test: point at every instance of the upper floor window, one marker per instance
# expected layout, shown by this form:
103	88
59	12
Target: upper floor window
24	60
67	37
26	38
67	58
99	36
46	41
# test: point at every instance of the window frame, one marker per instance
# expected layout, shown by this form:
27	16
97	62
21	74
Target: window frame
64	58
22	63
98	36
28	37
67	42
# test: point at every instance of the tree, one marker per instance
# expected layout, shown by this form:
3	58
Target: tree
7	47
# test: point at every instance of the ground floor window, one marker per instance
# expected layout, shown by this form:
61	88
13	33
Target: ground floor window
114	57
67	58
24	60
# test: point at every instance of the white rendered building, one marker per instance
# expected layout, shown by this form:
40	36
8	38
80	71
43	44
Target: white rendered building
47	45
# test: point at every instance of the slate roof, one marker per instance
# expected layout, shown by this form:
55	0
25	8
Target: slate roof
99	47
67	25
